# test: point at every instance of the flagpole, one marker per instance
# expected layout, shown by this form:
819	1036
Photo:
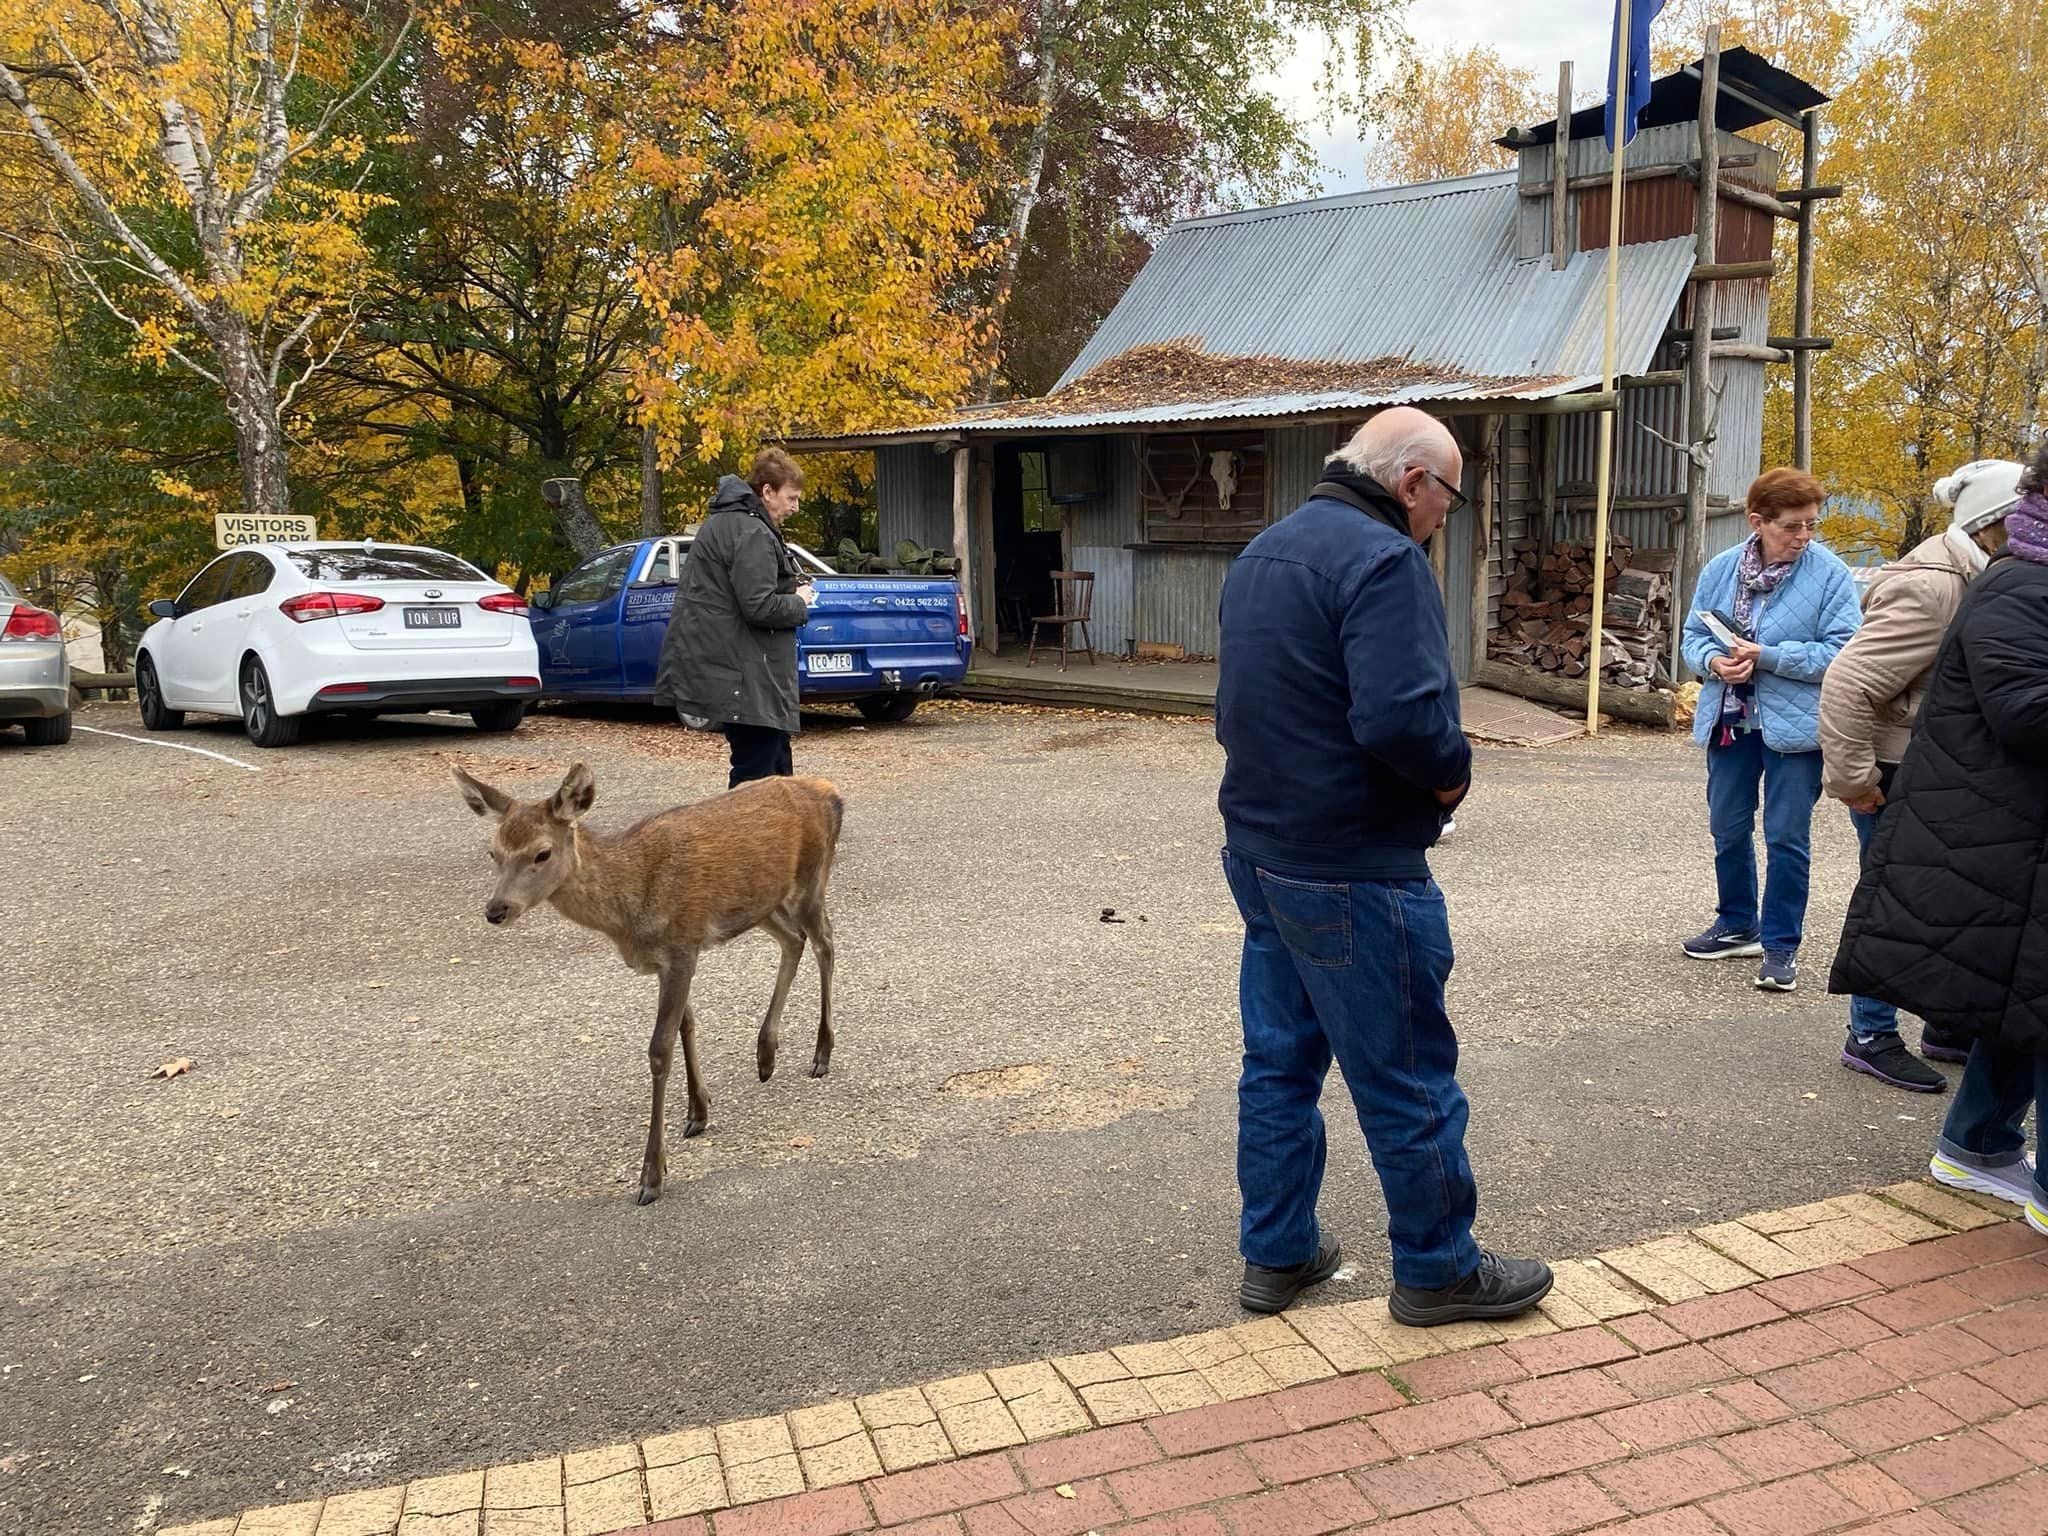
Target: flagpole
1604	475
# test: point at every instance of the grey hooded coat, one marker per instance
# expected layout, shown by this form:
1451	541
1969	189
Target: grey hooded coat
730	652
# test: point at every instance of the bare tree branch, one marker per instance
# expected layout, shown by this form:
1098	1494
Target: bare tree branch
83	273
313	364
159	269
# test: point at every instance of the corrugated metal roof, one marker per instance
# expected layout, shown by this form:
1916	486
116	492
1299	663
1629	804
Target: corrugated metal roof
1420	281
1425	273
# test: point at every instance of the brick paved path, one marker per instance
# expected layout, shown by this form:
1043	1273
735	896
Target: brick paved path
1904	1394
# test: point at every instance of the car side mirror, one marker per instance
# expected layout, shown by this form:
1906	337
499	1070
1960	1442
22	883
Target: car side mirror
542	600
164	608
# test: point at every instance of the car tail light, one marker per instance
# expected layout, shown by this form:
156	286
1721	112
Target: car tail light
29	622
960	608
503	602
308	606
522	682
344	688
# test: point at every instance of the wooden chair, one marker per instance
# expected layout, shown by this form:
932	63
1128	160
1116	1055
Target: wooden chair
1074	598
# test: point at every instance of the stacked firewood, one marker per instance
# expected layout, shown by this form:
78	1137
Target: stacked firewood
1547	611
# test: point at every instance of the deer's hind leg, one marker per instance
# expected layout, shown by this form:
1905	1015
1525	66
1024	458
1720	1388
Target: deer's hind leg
791	938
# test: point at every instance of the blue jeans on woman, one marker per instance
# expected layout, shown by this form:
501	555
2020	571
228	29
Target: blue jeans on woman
1986	1123
1790	783
1354	971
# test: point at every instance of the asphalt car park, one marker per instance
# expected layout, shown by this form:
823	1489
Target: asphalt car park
381	1224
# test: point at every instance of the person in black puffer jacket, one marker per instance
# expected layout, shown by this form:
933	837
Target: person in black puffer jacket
1950	919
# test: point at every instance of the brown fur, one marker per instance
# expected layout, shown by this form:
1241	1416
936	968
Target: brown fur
669	888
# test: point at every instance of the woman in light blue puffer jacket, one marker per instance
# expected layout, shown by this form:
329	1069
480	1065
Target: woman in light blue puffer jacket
1791	606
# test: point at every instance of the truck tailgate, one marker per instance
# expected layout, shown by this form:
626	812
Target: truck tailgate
862	626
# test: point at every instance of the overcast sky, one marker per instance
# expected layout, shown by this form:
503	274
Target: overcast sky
1533	33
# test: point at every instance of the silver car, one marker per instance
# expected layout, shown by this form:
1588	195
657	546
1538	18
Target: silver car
35	675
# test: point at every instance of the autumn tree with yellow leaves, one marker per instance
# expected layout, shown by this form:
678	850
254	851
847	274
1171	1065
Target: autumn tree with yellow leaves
1931	269
201	184
1446	108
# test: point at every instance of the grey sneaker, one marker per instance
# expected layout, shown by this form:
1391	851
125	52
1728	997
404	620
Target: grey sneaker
1724	942
2011	1182
1779	972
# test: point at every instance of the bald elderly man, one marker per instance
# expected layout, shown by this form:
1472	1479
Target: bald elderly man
1338	713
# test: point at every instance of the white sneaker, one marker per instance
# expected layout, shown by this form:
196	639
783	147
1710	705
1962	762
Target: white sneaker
2037	1218
2013	1183
1450	826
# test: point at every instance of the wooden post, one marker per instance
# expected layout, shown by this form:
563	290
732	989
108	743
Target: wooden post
1560	170
1482	532
1802	303
1699	358
990	633
963	543
1553	447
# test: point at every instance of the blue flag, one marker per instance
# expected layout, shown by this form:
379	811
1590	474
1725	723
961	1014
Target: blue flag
1640	14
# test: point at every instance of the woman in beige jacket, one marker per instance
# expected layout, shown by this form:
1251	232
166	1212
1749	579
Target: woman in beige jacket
1870	698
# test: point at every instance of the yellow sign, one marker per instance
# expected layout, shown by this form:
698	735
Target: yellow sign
231	529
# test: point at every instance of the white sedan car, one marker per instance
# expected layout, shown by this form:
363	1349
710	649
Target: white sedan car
273	633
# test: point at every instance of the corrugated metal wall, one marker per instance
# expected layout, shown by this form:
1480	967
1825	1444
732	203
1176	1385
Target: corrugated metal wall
1516	505
1294	459
1178	589
1102	532
1460	531
1666	209
913	496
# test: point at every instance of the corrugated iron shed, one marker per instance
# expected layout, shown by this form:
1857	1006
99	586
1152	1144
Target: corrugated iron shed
1402	294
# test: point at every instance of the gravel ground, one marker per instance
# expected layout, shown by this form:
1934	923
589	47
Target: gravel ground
398	1173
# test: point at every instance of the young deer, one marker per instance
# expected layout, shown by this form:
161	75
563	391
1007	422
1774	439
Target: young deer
667	889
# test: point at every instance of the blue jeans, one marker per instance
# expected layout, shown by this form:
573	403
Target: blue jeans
1986	1123
1356	972
1870	1017
1791	786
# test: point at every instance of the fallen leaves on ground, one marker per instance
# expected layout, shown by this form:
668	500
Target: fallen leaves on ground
173	1068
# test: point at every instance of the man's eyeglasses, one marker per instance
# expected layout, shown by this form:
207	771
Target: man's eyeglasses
1458	497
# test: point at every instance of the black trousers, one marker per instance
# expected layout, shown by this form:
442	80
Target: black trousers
758	752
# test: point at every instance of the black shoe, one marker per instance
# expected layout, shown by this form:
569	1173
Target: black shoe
1940	1045
1886	1058
1275	1290
1499	1287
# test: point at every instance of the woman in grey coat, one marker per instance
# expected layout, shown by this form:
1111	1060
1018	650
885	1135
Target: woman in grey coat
729	659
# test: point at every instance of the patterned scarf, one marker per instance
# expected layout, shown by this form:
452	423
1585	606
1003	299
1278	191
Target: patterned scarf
1753	579
2026	528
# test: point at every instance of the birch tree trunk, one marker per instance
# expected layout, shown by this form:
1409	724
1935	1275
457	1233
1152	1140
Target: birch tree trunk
1029	186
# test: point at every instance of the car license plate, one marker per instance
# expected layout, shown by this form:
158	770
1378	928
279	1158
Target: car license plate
831	661
433	618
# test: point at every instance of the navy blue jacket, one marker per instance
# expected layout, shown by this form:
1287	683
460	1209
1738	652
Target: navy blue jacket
1336	706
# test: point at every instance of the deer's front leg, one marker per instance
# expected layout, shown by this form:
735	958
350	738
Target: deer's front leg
671	1014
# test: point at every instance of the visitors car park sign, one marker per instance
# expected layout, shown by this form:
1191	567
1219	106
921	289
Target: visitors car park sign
231	529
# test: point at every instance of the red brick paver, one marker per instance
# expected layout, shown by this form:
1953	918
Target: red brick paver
1903	1395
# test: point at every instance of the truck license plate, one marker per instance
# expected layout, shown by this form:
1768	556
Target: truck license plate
433	618
831	661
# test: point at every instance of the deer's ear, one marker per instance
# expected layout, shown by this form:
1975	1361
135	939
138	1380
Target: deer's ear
577	794
482	798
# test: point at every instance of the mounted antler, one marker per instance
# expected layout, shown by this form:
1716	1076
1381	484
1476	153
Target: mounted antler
1701	452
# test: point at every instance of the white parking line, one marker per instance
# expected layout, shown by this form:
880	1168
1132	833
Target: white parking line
179	746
